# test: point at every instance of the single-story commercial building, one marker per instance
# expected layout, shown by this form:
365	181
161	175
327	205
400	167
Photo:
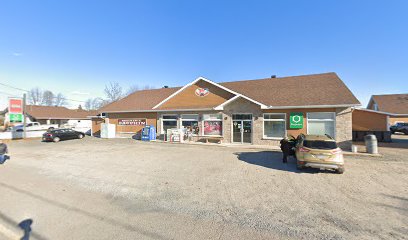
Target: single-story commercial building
55	115
261	111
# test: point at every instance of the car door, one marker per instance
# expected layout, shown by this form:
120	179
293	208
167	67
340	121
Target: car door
62	134
71	134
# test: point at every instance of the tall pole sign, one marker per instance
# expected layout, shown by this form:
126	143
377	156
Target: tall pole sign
15	109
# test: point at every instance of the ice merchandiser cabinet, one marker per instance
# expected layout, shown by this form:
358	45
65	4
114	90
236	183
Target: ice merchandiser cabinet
149	133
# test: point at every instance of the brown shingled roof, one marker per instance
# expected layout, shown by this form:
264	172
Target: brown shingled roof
143	100
52	112
307	90
392	103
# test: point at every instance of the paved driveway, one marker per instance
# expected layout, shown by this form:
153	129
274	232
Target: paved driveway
124	189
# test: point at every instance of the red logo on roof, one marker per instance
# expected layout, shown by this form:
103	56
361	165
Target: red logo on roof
202	92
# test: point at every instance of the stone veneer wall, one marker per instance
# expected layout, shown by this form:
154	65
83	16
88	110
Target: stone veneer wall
344	127
242	106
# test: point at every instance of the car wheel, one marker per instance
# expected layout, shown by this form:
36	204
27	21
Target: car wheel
56	139
80	136
340	170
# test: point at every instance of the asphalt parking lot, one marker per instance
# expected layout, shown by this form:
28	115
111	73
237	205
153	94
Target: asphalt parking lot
125	189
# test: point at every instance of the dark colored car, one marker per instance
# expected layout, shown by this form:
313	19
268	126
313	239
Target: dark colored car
399	127
62	134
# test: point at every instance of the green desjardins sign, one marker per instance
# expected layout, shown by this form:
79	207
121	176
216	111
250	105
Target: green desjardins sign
16	117
296	120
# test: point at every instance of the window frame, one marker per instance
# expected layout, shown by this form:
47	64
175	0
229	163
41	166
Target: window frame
168	120
273	120
323	120
212	120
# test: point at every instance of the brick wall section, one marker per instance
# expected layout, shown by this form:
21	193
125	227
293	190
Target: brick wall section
344	123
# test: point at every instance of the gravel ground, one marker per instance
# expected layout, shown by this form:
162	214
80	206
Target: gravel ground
125	189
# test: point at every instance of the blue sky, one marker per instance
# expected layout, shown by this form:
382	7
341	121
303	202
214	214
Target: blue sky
76	47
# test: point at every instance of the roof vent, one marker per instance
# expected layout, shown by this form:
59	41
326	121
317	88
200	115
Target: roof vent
166	86
273	76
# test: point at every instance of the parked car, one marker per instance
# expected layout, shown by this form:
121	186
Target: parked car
399	127
35	126
319	151
62	134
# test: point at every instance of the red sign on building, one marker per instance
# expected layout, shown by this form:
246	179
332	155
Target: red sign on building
132	122
15	105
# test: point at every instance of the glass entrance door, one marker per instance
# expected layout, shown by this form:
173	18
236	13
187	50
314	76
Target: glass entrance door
236	131
242	128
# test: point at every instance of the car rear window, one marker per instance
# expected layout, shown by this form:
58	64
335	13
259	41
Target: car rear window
316	144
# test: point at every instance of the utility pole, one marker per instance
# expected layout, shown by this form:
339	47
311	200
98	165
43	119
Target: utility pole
24	115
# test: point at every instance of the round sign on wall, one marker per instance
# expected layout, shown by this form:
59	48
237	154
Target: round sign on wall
202	92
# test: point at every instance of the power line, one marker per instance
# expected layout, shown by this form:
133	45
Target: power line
5	93
24	90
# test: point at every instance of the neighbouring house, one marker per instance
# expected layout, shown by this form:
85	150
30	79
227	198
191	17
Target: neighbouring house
260	112
77	118
394	105
382	111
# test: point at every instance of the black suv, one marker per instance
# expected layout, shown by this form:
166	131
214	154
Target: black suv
399	127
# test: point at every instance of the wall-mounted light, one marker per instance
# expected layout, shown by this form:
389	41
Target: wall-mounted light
225	118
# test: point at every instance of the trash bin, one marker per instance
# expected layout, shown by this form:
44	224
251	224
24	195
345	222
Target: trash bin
371	144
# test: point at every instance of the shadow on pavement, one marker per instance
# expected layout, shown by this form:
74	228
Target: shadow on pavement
273	160
25	225
97	217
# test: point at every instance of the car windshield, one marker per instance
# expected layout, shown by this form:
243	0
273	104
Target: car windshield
317	144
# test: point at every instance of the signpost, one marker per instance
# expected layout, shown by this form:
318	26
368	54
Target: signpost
16	111
296	120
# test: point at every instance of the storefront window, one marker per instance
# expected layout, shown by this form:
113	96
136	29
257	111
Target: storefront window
190	122
212	124
168	122
321	123
274	125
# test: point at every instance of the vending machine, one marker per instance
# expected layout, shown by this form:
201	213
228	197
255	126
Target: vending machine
149	133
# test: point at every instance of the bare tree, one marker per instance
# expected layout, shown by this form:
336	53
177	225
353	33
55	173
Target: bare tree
88	104
60	100
132	89
35	96
147	87
113	92
48	98
94	103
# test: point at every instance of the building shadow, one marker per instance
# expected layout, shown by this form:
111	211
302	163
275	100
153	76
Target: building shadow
273	160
